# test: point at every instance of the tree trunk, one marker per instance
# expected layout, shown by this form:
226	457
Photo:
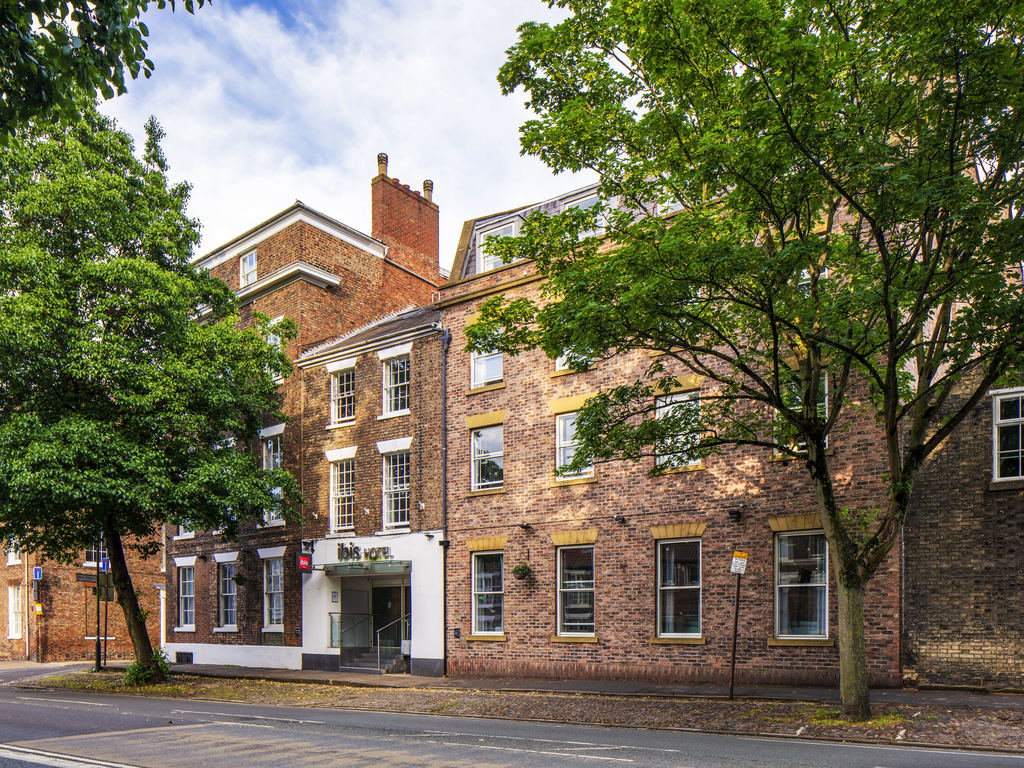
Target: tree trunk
853	676
134	618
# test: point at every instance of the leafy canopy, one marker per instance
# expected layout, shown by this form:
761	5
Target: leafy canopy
118	410
797	192
53	48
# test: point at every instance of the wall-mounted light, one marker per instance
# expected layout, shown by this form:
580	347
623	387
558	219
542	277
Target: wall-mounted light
736	513
619	518
525	526
422	506
429	536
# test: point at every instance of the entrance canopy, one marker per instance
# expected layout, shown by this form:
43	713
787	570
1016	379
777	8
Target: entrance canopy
369	568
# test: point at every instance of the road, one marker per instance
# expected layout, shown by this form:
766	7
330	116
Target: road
36	727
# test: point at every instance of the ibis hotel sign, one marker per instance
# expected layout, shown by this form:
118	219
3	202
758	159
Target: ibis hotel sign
348	553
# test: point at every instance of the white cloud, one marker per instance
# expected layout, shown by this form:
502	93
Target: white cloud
264	105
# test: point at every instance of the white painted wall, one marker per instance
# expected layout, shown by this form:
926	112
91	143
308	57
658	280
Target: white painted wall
426	585
276	657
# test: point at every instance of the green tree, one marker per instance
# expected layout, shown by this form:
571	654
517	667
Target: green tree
120	412
55	48
801	190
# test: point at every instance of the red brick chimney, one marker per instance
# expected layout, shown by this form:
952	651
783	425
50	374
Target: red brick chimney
406	222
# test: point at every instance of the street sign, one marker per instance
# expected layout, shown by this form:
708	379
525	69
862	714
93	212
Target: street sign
37	573
105	564
90	578
739	563
304	562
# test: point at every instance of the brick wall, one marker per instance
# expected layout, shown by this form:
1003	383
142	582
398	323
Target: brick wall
407	223
69	610
625	561
964	566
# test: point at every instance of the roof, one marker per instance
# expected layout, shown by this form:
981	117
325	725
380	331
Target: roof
396	324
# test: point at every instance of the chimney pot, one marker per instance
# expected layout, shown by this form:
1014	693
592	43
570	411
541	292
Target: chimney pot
382	164
428	189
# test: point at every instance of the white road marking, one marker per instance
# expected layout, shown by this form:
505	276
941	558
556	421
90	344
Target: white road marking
909	748
241	725
65	701
38	757
244	717
553	741
532	751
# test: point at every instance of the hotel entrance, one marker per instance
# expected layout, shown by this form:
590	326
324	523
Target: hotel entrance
371	631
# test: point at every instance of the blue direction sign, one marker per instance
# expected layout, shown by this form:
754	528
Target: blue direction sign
105	564
37	573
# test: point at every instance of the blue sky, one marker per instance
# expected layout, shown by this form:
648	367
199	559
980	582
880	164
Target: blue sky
265	103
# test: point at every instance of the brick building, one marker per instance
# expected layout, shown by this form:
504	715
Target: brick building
372	485
241	602
64	625
963	621
629	574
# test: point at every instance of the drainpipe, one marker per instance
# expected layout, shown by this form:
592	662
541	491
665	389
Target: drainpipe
446	338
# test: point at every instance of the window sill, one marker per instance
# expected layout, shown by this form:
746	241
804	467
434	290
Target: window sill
272	523
341	534
486	388
394	414
1007	484
392	530
487	638
678	640
226	628
179	537
572	481
801	642
274	628
688	468
186	628
800	457
574	639
485	492
567	372
341	424
18	637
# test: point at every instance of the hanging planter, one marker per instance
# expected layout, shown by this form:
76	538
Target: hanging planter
522	571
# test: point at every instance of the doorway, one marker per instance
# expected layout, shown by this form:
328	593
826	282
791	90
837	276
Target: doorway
389	604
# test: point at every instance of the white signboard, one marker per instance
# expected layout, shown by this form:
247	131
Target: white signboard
739	563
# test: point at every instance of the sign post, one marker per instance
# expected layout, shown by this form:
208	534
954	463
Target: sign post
98	613
739	567
107	589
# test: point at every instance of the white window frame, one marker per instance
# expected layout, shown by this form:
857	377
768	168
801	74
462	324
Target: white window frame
476	458
560	590
227	591
15	612
600	224
273	592
13	554
98	548
343	399
395	489
500	591
477	380
824	585
273	458
186	600
485	262
700	587
247	269
568	448
392	388
997	422
342	495
799	445
666	404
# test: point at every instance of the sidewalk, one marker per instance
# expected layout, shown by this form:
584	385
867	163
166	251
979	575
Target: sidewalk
906	696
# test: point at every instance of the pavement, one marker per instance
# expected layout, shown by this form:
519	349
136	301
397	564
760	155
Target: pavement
952	698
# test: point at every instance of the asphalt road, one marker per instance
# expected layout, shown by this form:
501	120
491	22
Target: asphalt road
168	733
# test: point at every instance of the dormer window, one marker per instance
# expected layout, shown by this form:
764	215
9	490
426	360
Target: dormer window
487	261
247	269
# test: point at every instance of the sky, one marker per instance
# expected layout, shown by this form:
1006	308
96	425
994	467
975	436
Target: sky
265	103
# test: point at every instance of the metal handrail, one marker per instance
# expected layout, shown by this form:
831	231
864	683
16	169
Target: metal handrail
403	618
343	630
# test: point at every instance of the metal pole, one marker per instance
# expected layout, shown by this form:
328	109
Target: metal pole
106	622
735	631
97	611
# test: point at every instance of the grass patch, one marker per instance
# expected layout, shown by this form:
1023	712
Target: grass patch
832	717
